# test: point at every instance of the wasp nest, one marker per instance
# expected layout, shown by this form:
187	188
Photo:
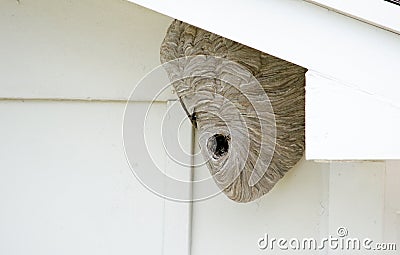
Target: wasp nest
247	106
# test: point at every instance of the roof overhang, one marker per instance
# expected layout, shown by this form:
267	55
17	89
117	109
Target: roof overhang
353	94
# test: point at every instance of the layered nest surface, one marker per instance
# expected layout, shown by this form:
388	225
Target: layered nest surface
247	105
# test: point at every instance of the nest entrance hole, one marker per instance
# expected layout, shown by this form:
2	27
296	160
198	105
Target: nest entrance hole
218	145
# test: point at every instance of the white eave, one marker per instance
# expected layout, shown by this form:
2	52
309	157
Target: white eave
353	94
381	13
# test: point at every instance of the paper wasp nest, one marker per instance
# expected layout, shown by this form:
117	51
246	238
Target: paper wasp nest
248	107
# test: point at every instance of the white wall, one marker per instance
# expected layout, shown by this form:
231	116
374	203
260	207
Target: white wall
296	207
312	201
76	49
65	184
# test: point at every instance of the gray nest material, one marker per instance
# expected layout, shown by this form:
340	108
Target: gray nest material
248	107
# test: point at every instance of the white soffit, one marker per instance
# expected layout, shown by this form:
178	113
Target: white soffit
355	55
382	13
